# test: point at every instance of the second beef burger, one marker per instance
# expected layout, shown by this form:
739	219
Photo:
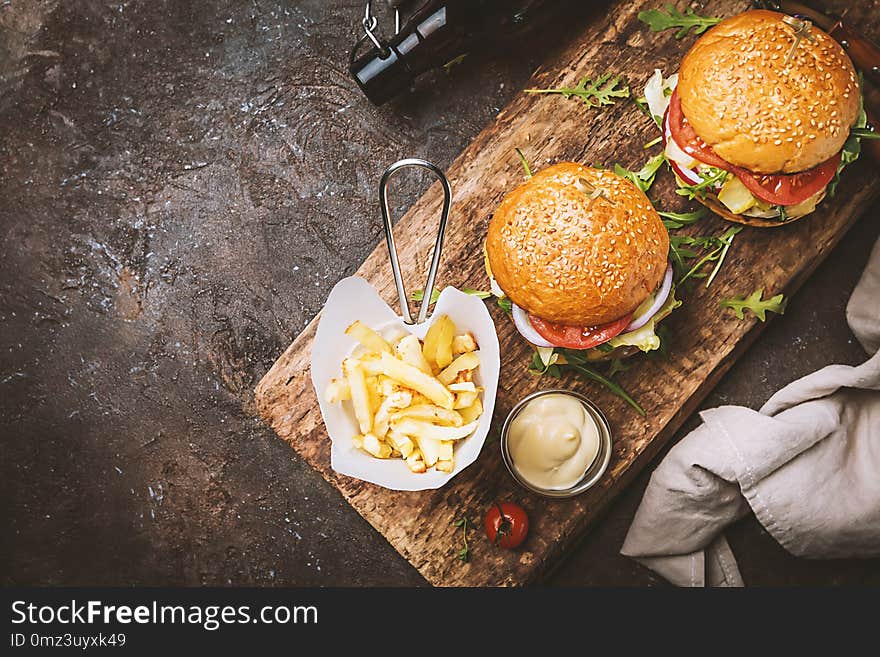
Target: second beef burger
583	256
761	117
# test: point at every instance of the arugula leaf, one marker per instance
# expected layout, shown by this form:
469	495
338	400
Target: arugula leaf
715	176
452	63
679	251
505	304
642	103
559	361
612	387
464	554
853	145
617	365
719	245
525	163
677	259
864	133
673	220
595	93
727	238
545	364
659	20
644	177
418	295
758	307
653	142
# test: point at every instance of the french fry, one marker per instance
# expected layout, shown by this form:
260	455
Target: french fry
430	413
398	399
438	342
446	450
434	450
409	349
401	443
444	466
468	361
368	337
430	450
376	447
389	387
415	462
464	399
420	400
373	390
337	390
419	429
412	400
360	396
463	343
472	412
465	376
410	377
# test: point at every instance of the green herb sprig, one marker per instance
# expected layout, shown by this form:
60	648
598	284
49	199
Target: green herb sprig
713	177
659	20
597	92
452	63
644	177
864	133
852	148
719	246
675	220
525	163
464	554
560	361
756	305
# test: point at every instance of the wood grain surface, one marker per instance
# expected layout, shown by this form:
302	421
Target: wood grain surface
706	340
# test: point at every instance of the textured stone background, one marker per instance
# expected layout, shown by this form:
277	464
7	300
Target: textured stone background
182	184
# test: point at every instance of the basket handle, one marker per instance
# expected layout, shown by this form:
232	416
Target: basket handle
389	235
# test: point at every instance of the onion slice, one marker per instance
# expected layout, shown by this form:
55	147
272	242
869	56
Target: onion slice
655	92
690	176
659	300
525	328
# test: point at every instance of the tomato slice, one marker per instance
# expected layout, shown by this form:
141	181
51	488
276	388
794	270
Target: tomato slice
579	337
776	189
688	140
791	189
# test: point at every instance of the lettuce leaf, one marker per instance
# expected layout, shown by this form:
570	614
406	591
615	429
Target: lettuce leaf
852	147
646	338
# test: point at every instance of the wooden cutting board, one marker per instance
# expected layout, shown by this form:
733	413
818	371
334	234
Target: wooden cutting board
706	339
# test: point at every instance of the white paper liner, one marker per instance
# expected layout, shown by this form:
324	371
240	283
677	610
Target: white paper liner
353	299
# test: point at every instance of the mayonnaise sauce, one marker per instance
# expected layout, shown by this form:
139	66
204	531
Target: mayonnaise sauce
553	440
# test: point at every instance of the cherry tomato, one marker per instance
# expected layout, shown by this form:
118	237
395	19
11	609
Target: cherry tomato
579	337
506	525
778	189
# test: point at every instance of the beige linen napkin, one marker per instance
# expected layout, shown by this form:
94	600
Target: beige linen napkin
807	464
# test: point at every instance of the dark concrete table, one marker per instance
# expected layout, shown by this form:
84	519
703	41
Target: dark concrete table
182	183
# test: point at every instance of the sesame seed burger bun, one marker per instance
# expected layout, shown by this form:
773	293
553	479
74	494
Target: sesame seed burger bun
568	258
755	111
